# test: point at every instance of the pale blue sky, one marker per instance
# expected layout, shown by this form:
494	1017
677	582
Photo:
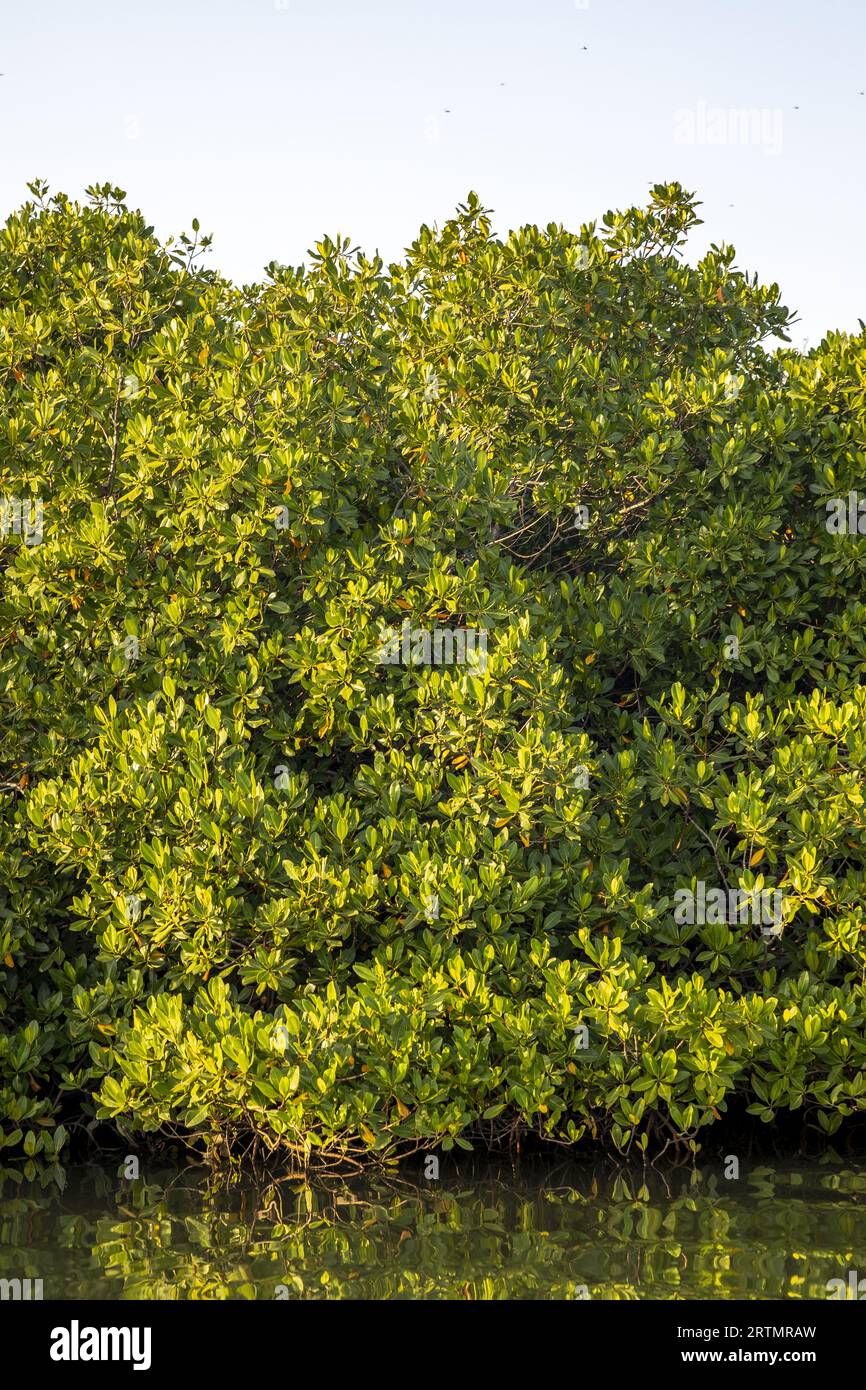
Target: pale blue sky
274	121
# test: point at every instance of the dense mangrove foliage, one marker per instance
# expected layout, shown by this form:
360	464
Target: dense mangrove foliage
432	693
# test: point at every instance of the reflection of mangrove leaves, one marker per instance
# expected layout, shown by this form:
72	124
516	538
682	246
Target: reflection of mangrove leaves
507	1237
199	1231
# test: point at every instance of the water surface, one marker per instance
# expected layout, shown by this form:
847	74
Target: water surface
480	1231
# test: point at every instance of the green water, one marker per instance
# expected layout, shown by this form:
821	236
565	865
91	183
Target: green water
479	1232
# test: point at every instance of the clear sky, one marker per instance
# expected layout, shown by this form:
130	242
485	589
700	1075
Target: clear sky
274	121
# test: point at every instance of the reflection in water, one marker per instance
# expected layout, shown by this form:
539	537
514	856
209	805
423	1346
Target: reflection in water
480	1232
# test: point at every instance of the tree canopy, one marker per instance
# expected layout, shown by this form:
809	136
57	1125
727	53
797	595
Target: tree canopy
268	886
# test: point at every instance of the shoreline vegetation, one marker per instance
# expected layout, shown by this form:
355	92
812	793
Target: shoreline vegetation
288	873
